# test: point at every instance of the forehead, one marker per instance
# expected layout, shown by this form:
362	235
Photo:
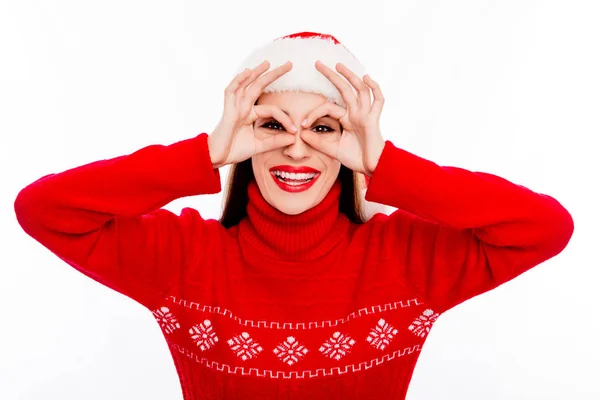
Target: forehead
293	103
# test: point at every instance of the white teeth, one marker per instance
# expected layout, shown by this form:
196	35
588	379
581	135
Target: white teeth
294	176
295	183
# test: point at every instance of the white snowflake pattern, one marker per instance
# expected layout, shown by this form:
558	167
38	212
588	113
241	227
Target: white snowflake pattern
166	319
204	335
290	351
244	346
337	346
381	336
422	325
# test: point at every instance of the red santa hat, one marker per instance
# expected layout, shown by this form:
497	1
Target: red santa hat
303	50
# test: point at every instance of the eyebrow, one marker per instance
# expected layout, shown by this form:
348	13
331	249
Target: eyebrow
323	116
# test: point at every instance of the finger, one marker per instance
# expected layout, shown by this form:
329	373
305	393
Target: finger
237	80
270	111
378	99
230	90
364	93
340	84
326	109
257	87
255	73
320	143
273	142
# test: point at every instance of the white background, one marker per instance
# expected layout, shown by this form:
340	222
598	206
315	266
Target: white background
506	87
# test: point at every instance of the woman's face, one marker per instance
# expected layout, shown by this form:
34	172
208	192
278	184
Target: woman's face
297	177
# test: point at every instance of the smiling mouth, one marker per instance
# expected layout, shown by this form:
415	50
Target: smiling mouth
294	179
294	182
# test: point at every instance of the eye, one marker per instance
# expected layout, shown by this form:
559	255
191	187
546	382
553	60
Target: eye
322	129
273	125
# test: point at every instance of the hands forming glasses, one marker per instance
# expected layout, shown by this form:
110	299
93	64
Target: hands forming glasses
358	148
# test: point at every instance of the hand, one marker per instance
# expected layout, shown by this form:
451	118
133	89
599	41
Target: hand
234	139
361	143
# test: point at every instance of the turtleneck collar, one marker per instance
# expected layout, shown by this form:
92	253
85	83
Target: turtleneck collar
303	237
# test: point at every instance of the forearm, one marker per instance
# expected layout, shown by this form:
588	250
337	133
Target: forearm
84	198
500	212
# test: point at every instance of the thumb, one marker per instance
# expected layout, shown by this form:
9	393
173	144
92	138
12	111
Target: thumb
275	141
320	143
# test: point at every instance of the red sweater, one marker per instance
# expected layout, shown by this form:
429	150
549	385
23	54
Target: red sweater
292	307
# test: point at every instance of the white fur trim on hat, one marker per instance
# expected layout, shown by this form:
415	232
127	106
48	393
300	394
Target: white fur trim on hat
303	50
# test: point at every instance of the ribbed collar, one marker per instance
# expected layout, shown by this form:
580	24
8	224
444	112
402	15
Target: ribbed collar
303	237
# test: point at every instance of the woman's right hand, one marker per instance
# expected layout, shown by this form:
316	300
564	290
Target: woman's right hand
234	139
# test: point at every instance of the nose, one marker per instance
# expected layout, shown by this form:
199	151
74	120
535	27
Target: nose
299	150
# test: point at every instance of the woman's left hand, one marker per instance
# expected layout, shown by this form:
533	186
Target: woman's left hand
361	144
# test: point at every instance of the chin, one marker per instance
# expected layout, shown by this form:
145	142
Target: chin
291	210
291	204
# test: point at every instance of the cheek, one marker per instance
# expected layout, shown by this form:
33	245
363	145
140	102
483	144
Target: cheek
259	163
331	165
335	168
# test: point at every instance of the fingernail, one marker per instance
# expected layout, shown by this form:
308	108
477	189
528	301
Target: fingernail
294	129
305	122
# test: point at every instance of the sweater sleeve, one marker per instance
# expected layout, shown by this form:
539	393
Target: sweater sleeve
105	218
458	233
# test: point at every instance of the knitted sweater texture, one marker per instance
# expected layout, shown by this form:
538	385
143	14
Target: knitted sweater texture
292	307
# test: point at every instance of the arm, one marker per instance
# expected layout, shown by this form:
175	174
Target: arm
105	220
459	233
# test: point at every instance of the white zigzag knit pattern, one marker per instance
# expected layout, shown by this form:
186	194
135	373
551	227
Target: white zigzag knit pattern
317	373
297	325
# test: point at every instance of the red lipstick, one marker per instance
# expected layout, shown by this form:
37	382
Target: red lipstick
294	185
291	168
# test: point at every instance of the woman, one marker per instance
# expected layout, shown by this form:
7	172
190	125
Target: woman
294	294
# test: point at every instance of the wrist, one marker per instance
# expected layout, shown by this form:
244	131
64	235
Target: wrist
376	153
215	158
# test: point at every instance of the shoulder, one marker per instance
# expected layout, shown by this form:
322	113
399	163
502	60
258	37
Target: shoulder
206	232
393	228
